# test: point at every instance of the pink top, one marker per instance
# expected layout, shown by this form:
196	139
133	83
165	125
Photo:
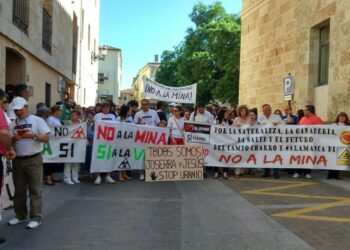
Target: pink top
312	120
3	125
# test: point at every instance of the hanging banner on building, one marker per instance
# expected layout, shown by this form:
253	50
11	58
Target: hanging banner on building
121	146
174	163
67	144
186	94
312	147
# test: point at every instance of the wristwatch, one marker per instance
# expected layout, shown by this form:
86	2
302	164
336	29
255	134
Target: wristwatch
35	137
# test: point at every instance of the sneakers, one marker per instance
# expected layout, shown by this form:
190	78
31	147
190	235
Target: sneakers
308	176
142	177
109	180
69	182
33	224
225	176
15	221
296	175
76	181
216	175
98	180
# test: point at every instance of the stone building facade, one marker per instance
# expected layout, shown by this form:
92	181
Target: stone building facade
48	45
308	40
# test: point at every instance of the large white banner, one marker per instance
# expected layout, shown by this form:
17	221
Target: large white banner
67	144
312	147
121	146
186	94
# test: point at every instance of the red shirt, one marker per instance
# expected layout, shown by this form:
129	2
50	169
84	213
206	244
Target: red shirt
312	120
3	125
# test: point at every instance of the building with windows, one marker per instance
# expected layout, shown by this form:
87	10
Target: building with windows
125	96
149	70
109	74
49	45
306	39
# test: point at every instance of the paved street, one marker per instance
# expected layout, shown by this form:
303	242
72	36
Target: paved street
212	214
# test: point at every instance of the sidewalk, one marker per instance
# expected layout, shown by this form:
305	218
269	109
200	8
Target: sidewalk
139	215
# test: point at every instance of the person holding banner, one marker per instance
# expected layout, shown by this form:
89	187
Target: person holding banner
309	118
105	115
146	116
124	116
176	125
341	120
267	118
71	170
241	120
222	119
28	133
50	168
6	150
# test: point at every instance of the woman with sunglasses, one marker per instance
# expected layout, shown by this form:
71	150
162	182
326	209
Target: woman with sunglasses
176	125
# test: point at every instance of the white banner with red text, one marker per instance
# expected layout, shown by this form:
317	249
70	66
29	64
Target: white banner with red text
282	146
66	144
121	146
185	94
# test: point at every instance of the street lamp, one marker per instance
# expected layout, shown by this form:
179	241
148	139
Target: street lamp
97	57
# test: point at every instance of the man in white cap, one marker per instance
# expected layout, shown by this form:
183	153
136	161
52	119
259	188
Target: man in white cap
28	133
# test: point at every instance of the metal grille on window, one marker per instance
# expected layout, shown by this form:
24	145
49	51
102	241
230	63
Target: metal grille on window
20	15
47	31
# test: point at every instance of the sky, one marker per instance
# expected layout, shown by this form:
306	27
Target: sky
143	28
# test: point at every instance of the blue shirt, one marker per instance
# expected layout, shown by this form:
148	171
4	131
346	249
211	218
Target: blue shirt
294	117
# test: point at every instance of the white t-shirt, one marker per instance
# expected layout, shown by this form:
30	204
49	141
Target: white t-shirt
128	120
205	117
53	121
27	147
149	118
175	132
263	120
104	117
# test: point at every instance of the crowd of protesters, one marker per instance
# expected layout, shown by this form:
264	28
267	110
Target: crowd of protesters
22	135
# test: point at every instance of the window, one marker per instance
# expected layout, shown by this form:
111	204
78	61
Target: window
323	64
82	24
47	26
48	94
75	44
101	78
20	15
89	37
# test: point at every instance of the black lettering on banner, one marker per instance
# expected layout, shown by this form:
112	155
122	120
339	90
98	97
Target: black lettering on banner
65	148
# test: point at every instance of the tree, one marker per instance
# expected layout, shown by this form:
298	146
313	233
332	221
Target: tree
209	55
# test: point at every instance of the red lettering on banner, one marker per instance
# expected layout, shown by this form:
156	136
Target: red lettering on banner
322	160
150	137
277	158
295	159
308	159
107	133
251	158
235	159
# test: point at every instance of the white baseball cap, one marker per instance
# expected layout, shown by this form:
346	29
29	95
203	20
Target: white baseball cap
173	104
18	103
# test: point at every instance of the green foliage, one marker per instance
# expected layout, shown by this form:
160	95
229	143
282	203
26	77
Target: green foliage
209	55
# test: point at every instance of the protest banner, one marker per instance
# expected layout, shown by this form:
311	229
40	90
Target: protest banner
186	94
312	147
121	146
174	163
66	144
